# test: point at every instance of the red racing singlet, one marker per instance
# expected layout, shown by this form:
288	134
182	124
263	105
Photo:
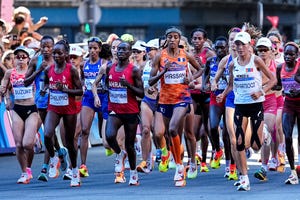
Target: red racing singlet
121	100
60	102
288	81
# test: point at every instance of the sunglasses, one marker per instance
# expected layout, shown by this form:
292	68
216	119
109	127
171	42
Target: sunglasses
234	30
136	51
73	57
262	50
21	57
94	39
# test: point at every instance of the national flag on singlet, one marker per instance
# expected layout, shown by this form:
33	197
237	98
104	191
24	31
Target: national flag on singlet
249	69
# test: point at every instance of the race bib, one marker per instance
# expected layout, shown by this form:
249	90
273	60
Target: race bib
89	83
174	77
58	98
118	95
23	92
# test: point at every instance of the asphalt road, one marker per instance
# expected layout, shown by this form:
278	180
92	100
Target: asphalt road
156	185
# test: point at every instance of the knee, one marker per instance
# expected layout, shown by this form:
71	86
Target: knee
28	146
146	131
85	131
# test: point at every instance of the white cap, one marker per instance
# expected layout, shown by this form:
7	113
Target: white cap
243	37
75	50
22	48
139	45
154	43
266	42
34	44
5	54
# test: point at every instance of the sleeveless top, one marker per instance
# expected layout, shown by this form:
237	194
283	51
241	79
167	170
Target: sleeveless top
90	72
60	102
173	90
40	101
19	90
246	80
121	99
288	80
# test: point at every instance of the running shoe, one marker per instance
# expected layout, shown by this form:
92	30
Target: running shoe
281	157
293	179
233	175
266	135
63	157
119	162
43	175
158	155
54	167
29	173
24	179
192	172
126	163
109	152
273	164
215	164
68	174
179	176
172	164
204	168
83	171
134	179
143	167
243	187
75	181
244	184
237	183
227	172
164	163
120	178
198	158
261	174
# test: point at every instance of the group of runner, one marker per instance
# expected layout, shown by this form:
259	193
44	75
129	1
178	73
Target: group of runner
240	85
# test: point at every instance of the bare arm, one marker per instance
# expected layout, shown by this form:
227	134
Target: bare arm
221	69
154	76
272	80
137	87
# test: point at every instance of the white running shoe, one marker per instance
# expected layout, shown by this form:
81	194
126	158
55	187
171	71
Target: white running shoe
119	162
244	184
227	172
134	179
293	179
68	174
24	179
179	173
75	181
54	167
273	164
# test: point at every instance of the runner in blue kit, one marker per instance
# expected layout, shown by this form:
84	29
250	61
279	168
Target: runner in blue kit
90	71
